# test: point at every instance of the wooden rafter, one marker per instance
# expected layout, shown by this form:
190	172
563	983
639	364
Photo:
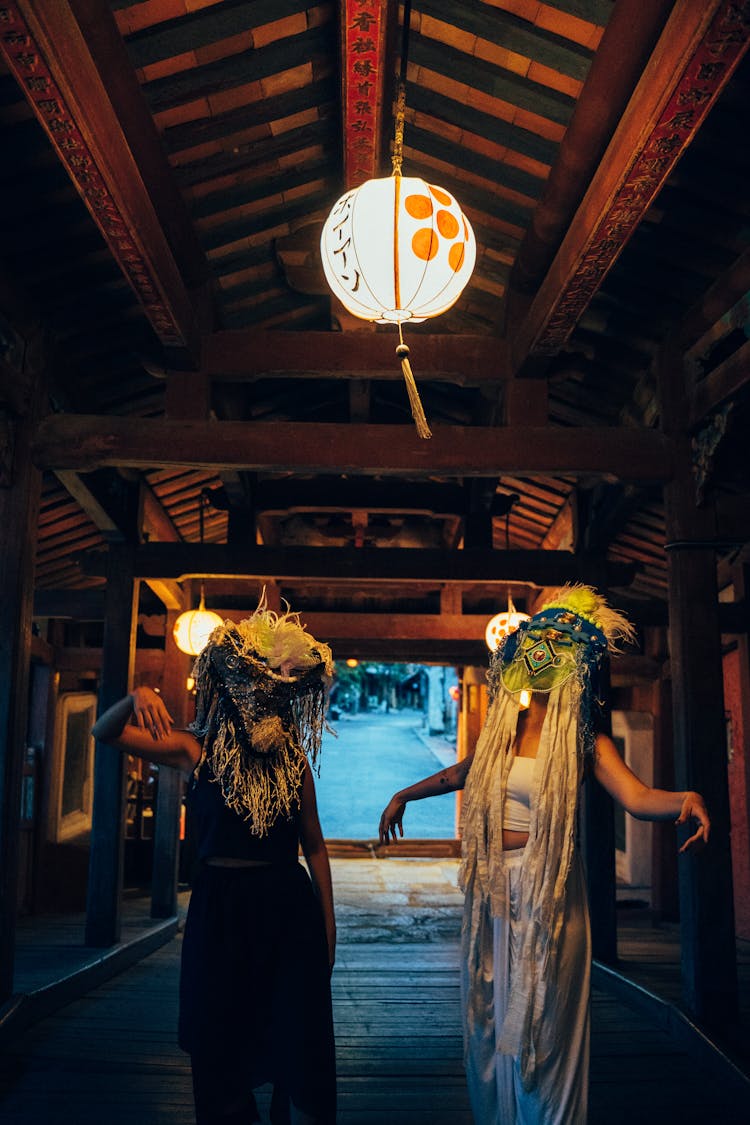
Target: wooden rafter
86	442
249	353
383	565
71	64
700	48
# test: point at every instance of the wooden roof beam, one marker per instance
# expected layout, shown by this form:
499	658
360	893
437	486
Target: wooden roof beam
628	40
71	64
696	55
244	354
109	502
85	442
720	386
358	564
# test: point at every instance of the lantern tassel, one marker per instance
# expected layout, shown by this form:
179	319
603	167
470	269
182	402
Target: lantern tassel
417	410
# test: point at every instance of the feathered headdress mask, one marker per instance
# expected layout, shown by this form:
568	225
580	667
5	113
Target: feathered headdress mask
571	635
262	689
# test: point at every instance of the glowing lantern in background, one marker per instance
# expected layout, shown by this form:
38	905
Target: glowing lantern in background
193	628
502	624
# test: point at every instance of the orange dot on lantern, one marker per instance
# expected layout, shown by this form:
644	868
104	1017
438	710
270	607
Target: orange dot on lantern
447	224
456	256
425	244
441	196
418	206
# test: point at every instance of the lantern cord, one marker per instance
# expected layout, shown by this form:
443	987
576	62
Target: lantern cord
417	410
398	140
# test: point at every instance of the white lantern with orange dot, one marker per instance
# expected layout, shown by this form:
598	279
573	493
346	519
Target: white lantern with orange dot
398	250
502	624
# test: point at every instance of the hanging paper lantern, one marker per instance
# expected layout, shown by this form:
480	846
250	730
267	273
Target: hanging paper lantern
502	624
193	628
397	249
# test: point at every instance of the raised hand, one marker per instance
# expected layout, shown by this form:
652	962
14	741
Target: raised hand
694	807
150	712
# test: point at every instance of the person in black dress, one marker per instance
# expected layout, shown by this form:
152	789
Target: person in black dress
259	942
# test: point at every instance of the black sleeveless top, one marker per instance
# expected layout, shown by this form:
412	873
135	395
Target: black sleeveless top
219	831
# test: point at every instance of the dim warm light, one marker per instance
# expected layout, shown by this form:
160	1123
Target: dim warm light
502	624
192	629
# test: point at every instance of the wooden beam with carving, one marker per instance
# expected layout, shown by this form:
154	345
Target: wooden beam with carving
365	34
697	53
70	61
245	354
384	565
68	441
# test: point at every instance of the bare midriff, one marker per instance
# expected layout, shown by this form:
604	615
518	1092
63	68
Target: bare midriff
513	840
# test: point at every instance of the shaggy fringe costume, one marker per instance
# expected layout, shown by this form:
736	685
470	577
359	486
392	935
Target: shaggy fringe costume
255	999
521	900
260	727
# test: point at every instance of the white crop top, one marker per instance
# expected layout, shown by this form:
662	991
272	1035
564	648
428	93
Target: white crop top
516	813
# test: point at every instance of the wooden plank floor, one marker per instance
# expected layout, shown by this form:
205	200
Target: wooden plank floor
111	1056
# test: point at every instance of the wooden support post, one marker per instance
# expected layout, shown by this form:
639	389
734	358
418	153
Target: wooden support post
171	783
19	503
471	716
107	832
709	969
598	835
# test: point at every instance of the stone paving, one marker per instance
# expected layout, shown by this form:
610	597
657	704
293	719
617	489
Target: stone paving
373	756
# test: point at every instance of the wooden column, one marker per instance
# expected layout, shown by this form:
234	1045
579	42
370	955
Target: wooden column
709	968
107	832
19	504
598	842
474	701
171	783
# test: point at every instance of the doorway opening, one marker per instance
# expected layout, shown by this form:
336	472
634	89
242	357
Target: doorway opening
394	724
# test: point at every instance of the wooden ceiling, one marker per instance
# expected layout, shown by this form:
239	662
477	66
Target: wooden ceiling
167	167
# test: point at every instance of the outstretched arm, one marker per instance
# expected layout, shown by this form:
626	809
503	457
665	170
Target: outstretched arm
445	781
643	802
141	725
316	854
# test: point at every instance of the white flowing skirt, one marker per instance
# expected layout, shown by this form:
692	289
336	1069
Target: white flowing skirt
559	1093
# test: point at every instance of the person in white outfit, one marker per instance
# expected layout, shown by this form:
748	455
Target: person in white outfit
526	944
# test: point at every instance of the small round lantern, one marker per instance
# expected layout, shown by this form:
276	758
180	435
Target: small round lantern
193	628
502	624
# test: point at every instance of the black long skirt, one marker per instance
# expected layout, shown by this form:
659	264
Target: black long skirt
255	998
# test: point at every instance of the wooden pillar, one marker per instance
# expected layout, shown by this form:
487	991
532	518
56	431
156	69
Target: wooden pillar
737	701
107	831
171	783
19	505
709	970
474	699
598	842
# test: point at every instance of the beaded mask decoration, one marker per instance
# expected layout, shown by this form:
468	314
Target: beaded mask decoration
572	635
262	691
